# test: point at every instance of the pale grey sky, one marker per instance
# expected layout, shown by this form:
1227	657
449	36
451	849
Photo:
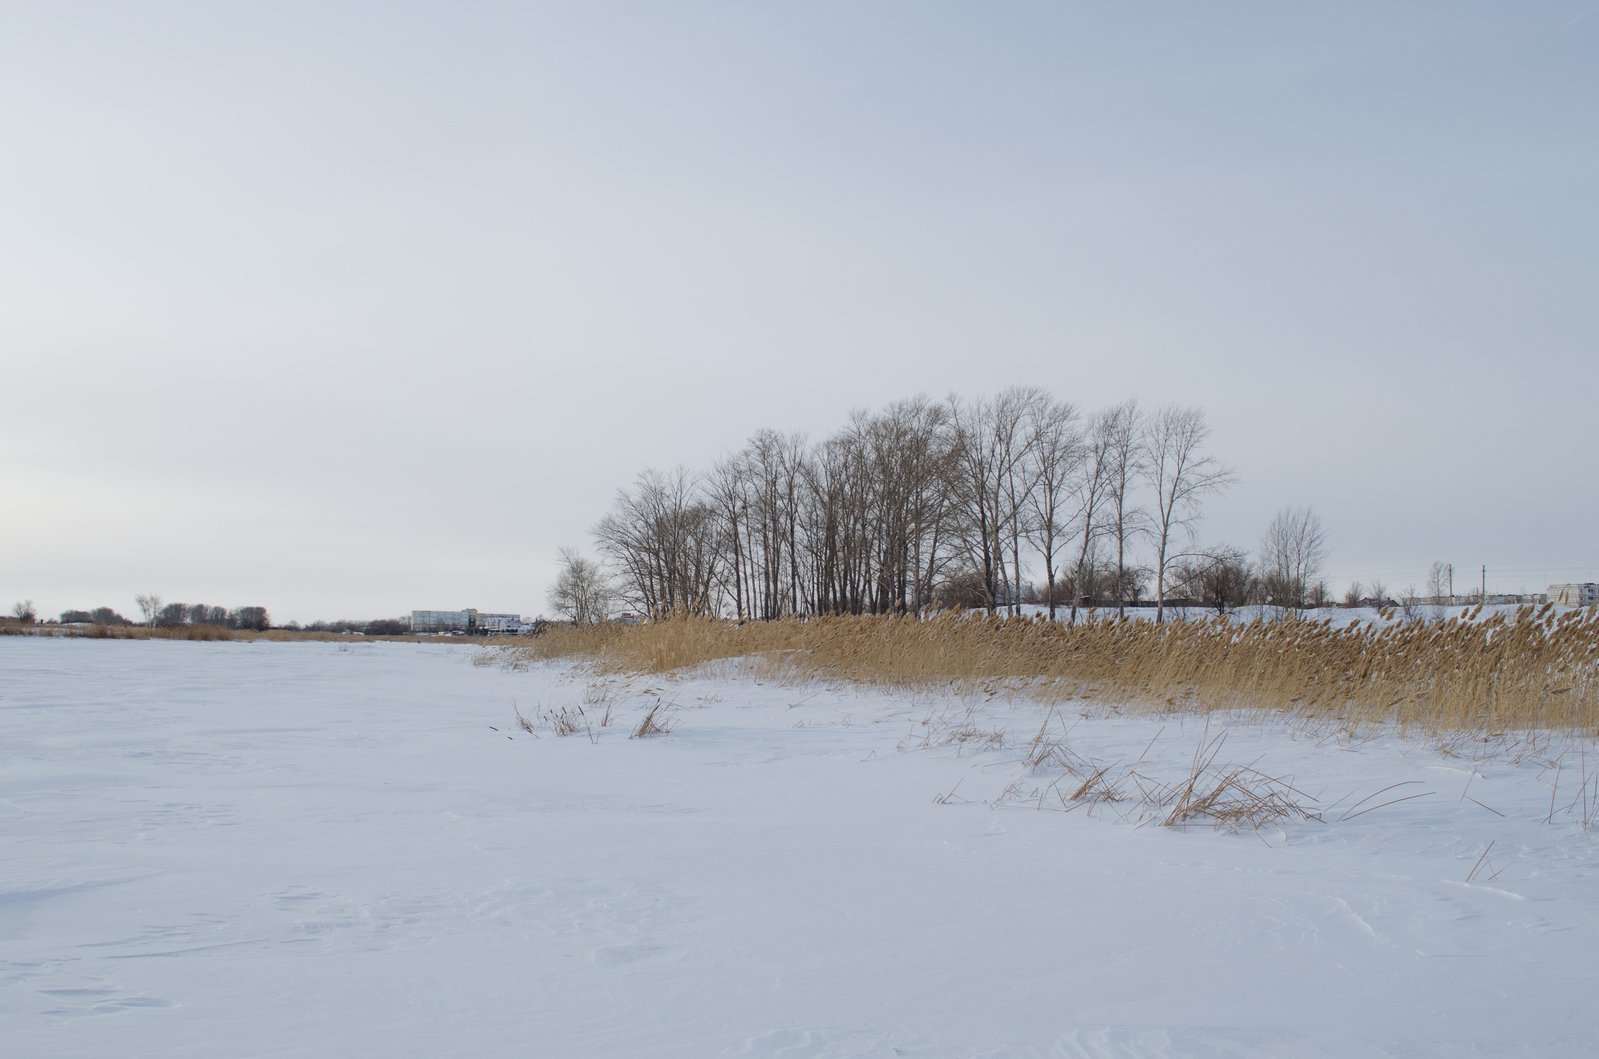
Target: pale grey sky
344	309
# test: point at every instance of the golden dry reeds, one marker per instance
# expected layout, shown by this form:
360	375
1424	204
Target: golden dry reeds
164	632
222	632
1532	670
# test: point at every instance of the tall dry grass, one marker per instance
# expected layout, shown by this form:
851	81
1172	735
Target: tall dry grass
125	632
1532	670
222	632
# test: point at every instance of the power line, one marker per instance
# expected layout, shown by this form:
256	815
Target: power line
1493	568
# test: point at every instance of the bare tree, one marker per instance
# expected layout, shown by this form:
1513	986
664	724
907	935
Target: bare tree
754	496
149	607
25	612
664	539
1015	409
830	487
1227	581
1088	581
1410	603
253	619
728	490
1124	466
582	593
1090	490
977	468
1058	453
1218	576
1182	475
773	466
1291	555
906	453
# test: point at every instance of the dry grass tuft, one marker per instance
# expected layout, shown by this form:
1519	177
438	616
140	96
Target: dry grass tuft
1228	797
654	722
955	727
601	693
565	721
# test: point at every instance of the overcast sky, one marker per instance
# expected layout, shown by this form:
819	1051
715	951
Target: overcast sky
348	309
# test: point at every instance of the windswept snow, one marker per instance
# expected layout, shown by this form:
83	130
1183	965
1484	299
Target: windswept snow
307	849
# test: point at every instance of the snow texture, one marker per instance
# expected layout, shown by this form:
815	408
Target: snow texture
316	849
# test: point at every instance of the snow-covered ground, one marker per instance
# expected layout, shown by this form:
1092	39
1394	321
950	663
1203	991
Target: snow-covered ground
315	849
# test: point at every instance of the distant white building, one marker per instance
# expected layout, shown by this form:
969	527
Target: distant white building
1583	595
465	621
500	624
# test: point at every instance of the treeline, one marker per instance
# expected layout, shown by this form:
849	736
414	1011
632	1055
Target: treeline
925	502
97	616
161	615
379	627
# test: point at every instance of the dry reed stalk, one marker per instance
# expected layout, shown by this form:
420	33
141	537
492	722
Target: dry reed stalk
565	721
523	723
653	723
1229	797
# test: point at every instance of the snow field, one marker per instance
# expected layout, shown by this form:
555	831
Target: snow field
317	849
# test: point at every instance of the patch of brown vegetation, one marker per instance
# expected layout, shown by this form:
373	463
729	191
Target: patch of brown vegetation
1532	670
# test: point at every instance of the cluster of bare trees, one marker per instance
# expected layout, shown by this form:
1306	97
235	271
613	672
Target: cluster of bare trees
97	616
363	626
1286	572
925	502
583	592
1291	557
157	614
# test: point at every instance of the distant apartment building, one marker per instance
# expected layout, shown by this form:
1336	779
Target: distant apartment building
1583	595
465	621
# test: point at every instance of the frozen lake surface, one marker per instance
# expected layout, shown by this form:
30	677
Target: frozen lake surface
318	849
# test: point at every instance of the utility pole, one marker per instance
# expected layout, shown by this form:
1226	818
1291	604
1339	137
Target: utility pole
1451	569
1484	583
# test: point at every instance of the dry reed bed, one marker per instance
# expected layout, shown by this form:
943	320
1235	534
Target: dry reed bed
128	632
1533	670
222	632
